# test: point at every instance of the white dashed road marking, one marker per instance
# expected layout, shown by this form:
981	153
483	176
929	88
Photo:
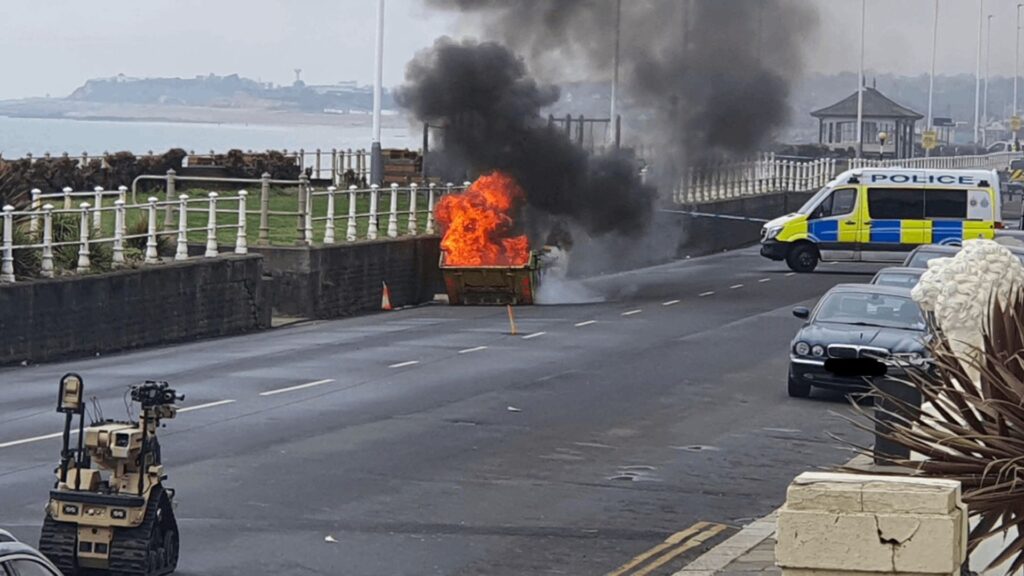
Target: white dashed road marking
670	303
703	294
632	312
468	350
765	280
202	406
404	364
735	286
534	335
790	273
587	323
35	439
299	387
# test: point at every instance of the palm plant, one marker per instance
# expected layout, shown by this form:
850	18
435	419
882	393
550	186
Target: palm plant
969	429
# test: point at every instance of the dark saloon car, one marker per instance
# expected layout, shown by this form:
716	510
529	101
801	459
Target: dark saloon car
920	256
852	335
898	277
17	559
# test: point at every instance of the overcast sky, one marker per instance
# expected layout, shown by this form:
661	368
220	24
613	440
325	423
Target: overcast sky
52	46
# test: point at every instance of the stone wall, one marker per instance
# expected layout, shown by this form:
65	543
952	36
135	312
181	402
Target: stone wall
347	279
44	320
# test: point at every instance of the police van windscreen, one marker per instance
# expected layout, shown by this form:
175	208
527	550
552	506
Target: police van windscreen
813	202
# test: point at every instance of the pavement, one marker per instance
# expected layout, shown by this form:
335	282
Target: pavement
626	436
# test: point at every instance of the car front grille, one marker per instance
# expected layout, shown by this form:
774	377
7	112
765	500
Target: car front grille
851	351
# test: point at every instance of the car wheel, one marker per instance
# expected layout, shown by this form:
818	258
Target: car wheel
798	389
802	258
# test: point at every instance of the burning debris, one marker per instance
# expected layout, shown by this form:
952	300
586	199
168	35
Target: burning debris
478	225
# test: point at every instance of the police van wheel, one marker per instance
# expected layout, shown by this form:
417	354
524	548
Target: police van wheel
802	258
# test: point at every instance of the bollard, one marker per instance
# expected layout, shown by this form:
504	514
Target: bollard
97	213
350	233
371	230
413	193
152	257
117	258
241	243
67	197
211	227
168	210
300	223
7	260
329	225
393	215
182	250
430	208
264	237
46	265
83	249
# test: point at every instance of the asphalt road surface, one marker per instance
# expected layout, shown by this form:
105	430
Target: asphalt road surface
431	441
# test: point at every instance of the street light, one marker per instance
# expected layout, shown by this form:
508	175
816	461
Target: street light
376	156
931	79
977	74
988	59
860	82
615	75
1016	69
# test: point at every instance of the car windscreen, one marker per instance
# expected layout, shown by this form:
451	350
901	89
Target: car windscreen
870	309
898	279
813	201
921	258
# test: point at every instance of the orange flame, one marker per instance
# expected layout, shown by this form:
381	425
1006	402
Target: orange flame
477	224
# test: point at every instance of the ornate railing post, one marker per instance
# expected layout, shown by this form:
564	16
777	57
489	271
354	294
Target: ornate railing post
329	224
371	230
300	224
414	191
351	231
7	259
46	265
33	223
170	197
67	197
117	258
431	198
181	253
211	227
83	238
264	237
97	213
241	242
393	213
152	256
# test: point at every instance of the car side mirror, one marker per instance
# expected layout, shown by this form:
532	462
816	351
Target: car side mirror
801	313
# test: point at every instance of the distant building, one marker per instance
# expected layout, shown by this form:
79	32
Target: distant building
837	125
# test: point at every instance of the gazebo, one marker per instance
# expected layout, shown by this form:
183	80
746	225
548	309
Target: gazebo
837	125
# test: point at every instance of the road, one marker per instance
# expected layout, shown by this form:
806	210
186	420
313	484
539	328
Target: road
431	441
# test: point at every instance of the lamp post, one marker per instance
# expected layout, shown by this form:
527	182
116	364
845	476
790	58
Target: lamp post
930	123
615	75
977	74
376	156
860	82
1016	69
988	60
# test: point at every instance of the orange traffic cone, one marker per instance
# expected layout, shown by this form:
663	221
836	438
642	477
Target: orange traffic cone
385	298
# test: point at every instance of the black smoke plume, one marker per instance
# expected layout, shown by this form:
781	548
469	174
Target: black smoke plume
489	111
712	76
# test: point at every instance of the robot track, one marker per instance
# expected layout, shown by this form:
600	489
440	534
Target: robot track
58	543
151	548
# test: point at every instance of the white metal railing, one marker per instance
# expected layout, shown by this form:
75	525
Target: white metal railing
409	211
993	161
765	175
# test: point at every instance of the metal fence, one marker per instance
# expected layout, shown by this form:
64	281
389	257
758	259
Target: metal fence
765	175
319	217
994	161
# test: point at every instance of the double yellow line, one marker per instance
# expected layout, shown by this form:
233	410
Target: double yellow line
672	547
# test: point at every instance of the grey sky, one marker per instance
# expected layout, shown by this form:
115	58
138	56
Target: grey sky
52	46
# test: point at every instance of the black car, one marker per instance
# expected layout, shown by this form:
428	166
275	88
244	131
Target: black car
898	277
17	559
920	256
854	333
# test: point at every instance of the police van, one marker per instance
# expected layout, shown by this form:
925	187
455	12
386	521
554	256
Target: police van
878	215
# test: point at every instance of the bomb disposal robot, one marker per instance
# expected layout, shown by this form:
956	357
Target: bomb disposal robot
110	511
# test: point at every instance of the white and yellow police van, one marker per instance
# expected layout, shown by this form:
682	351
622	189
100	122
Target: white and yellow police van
880	214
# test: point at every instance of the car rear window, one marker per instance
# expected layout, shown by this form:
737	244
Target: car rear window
898	279
870	309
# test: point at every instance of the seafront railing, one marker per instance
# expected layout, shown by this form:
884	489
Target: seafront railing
124	233
766	174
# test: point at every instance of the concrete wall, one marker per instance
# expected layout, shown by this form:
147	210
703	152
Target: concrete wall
342	280
707	234
54	319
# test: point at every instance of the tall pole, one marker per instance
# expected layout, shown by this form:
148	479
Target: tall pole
860	82
930	122
1016	66
988	60
615	74
376	156
977	74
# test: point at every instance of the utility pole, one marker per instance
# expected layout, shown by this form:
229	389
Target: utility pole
860	82
376	156
930	122
988	60
977	74
615	75
1016	66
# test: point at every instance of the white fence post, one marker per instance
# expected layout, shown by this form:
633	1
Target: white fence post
83	237
33	223
46	265
431	198
211	226
241	242
393	216
414	191
307	232
329	225
351	231
67	197
97	214
117	258
371	230
152	256
182	250
7	266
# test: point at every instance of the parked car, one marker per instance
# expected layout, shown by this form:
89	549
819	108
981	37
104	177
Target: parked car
919	257
18	559
899	277
851	335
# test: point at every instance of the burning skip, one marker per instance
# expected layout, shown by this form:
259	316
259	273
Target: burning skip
483	260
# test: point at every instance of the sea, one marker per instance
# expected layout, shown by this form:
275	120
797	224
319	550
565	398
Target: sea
37	136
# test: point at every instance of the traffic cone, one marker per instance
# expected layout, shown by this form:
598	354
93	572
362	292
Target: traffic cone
385	298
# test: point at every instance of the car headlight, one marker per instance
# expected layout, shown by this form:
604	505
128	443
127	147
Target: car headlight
771	233
802	348
818	350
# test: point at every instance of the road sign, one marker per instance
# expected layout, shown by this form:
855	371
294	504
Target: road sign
928	140
1015	123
